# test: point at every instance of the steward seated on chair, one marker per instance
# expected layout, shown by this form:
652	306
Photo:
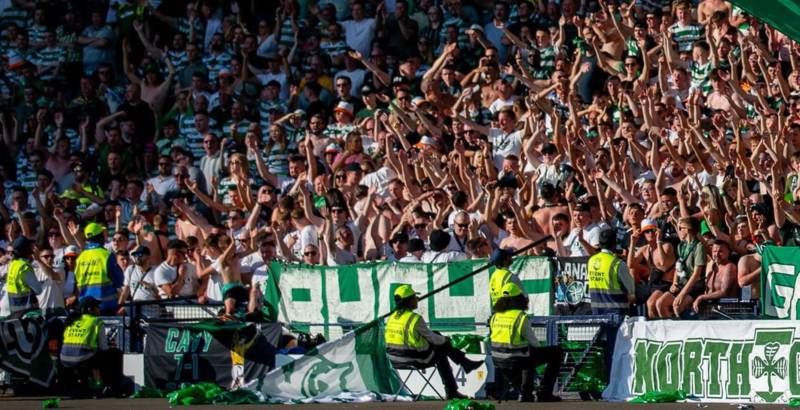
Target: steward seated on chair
409	342
515	348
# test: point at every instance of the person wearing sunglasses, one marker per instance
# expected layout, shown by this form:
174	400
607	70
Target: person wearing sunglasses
51	277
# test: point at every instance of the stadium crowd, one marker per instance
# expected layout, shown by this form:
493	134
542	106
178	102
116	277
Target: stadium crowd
196	141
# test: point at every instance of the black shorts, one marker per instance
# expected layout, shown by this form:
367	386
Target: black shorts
694	292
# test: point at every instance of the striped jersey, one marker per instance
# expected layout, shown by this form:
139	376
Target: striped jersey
685	36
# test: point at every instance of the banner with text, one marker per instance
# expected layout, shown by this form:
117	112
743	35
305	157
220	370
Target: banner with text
714	361
311	298
230	355
780	266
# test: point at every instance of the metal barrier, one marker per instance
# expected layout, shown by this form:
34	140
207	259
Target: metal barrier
584	340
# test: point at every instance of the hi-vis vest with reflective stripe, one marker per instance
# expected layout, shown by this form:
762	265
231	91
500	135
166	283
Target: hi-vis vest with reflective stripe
604	285
403	343
506	330
91	271
80	339
20	295
496	282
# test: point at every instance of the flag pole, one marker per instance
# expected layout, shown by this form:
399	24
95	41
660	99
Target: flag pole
463	278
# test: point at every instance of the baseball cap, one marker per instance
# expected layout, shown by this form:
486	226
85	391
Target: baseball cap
500	254
476	27
22	245
93	229
648	224
332	148
404	291
511	289
71	250
345	107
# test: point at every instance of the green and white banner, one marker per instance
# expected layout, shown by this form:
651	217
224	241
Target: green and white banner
353	368
780	266
310	297
714	361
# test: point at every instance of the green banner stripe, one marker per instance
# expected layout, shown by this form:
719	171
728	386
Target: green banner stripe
537	285
780	14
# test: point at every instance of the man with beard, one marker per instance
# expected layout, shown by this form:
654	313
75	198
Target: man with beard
721	276
216	57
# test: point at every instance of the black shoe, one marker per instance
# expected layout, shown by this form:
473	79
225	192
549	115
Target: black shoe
456	395
526	398
470	365
547	398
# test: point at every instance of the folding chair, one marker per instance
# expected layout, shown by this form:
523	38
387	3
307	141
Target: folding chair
421	371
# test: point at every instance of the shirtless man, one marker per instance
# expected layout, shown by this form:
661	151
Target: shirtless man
513	240
721	276
543	216
233	290
657	258
749	274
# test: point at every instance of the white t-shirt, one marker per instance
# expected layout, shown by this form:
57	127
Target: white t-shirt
260	277
161	185
141	284
410	258
380	178
591	234
167	275
504	144
443	256
499	103
52	294
359	34
214	287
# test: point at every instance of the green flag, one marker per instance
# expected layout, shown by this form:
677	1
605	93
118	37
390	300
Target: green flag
780	14
23	349
779	274
353	368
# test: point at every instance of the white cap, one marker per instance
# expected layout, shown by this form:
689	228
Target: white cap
344	106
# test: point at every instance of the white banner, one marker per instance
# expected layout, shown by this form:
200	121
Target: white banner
712	361
310	297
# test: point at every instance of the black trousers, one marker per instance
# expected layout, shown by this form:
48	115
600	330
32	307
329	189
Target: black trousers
109	362
440	355
524	369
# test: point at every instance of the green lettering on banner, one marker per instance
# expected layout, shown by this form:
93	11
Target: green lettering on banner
715	350
170	345
185	342
349	291
668	367
739	370
301	295
794	374
463	288
452	311
208	339
692	374
644	357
